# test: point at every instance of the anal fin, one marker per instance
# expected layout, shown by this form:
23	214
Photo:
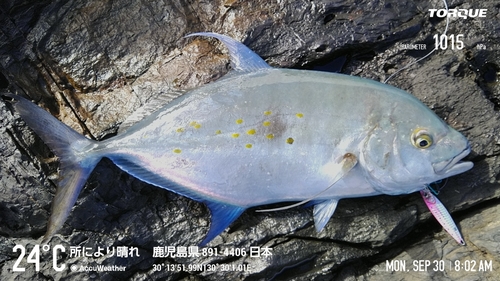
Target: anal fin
323	212
222	216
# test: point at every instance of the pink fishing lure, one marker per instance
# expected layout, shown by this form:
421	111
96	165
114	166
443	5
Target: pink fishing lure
442	215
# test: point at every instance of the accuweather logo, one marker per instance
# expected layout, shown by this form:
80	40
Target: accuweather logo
458	13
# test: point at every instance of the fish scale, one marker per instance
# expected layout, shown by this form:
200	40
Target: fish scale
262	135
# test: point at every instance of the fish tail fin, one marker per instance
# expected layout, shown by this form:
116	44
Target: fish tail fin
74	152
68	189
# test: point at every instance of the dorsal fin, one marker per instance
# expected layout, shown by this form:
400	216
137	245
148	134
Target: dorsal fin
148	108
242	58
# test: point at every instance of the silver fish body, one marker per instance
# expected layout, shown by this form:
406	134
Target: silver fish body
274	135
263	135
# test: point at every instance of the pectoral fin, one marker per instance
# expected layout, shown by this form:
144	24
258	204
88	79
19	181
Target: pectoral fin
323	212
222	216
340	170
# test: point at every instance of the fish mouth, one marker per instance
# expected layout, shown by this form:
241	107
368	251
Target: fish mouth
453	166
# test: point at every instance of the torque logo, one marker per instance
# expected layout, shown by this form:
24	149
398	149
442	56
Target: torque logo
458	13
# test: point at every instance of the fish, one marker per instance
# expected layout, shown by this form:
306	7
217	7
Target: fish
262	135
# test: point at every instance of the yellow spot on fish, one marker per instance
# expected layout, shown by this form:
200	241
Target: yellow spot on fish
267	112
180	130
177	150
239	121
218	132
251	132
289	140
248	145
270	136
266	123
235	135
299	115
195	125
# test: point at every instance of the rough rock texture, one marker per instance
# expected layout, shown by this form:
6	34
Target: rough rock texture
92	63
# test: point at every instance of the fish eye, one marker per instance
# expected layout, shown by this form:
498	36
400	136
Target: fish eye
421	139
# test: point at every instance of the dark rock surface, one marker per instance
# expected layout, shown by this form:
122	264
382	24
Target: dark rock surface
92	63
